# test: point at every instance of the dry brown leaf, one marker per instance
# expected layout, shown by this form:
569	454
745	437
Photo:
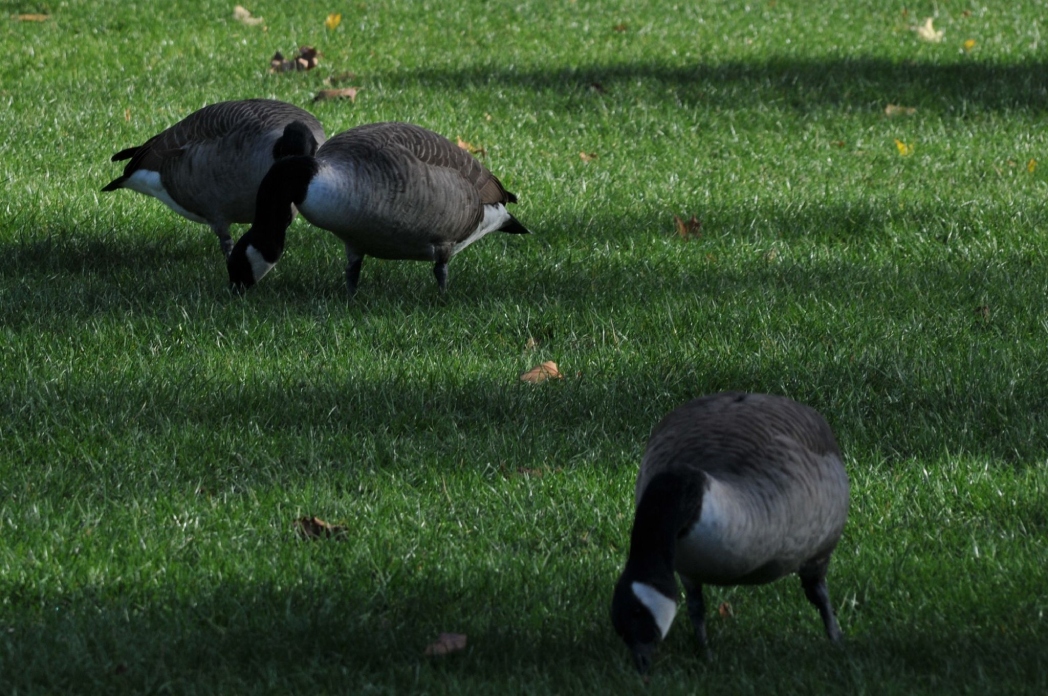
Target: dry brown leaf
540	373
691	228
725	611
32	17
242	15
983	312
926	32
896	110
349	93
470	148
305	59
127	115
587	156
316	528
531	343
446	643
621	27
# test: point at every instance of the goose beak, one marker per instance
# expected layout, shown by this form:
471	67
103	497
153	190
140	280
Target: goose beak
643	655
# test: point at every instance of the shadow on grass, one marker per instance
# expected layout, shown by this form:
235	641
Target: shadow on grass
883	392
322	633
798	84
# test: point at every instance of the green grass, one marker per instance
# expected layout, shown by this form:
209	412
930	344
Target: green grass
159	435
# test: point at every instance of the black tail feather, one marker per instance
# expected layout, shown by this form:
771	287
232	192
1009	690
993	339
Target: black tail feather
124	154
115	184
513	226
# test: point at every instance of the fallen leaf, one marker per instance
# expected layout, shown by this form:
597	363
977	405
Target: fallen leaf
32	17
598	88
446	643
333	20
966	13
905	150
349	93
547	370
621	27
1031	166
926	32
691	228
242	15
587	156
531	343
316	528
471	149
127	114
969	44
537	473
896	110
838	143
983	312
305	59
725	611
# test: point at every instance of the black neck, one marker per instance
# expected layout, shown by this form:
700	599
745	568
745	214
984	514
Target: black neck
669	506
285	184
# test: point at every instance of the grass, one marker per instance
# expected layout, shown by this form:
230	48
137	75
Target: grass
159	436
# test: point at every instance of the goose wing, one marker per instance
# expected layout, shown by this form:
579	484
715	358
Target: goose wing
435	150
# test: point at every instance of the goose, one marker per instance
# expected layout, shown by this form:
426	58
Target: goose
733	489
389	190
207	167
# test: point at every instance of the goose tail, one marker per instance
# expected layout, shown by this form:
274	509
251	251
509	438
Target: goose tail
513	226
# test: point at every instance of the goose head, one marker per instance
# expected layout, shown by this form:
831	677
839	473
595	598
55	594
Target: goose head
284	186
297	139
642	615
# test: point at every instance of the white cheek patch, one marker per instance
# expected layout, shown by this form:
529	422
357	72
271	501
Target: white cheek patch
148	182
662	608
494	217
259	266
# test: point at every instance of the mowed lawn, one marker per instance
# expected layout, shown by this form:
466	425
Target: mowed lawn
160	435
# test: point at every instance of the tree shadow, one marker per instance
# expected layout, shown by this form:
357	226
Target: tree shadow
799	84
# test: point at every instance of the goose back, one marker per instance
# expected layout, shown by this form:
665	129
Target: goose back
775	489
208	166
399	191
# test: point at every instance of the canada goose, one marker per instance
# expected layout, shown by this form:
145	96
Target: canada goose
207	167
389	190
733	489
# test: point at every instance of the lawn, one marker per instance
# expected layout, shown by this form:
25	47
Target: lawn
160	435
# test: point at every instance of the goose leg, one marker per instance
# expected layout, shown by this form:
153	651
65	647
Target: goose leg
224	240
813	580
353	263
440	270
697	613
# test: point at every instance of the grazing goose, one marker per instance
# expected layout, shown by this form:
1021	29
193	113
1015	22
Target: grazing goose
389	190
207	167
733	489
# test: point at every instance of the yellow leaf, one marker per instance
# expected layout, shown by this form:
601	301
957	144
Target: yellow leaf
926	32
547	370
333	20
470	148
587	156
244	17
32	17
896	110
905	150
969	44
1031	166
